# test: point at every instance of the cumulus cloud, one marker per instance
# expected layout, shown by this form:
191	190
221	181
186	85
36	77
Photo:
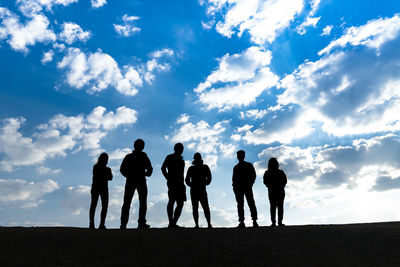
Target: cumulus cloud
128	28
31	7
72	32
47	56
99	71
26	194
337	93
98	3
262	19
310	20
204	138
241	79
373	34
19	36
59	135
334	166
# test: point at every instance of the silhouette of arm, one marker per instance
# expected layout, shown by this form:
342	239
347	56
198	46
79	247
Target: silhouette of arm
265	178
252	173
208	175
234	176
109	174
284	179
188	177
124	167
164	168
149	168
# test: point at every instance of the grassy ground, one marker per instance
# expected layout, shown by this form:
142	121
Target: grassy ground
314	245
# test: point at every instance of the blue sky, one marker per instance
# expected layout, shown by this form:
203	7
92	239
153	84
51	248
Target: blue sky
313	83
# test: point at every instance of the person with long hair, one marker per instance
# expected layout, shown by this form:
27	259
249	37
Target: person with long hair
275	180
101	175
198	177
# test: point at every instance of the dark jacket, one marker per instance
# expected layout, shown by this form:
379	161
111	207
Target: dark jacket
198	176
136	166
275	179
173	169
244	175
101	176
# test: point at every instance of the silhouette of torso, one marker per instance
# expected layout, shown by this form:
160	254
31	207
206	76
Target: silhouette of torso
136	166
101	176
198	176
176	167
244	175
275	180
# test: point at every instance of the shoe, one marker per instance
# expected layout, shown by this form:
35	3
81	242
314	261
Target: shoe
209	226
241	225
196	226
255	224
102	227
122	227
91	225
143	226
273	224
281	224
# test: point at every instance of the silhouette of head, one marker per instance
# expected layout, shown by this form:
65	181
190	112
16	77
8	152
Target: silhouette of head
178	148
103	159
197	156
273	164
138	145
240	155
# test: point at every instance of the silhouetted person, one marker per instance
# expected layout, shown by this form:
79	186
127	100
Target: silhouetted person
101	175
173	169
198	177
135	167
244	176
275	180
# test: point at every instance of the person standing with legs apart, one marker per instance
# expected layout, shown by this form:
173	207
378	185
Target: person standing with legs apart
244	176
101	175
135	167
173	170
275	179
198	177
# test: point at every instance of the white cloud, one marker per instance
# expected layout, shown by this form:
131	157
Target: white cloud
373	34
44	170
203	138
333	166
311	21
47	56
128	28
327	30
98	3
243	76
32	7
20	36
59	135
100	71
26	194
263	19
253	114
72	32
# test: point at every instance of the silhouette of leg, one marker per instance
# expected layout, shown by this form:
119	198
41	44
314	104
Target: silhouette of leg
104	207
251	203
142	191
280	209
93	205
239	195
128	195
170	211
178	211
272	206
206	207
195	206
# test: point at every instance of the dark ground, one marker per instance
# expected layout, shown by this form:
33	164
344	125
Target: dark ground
375	244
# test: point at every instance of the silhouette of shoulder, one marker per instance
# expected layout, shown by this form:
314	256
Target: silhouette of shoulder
136	164
275	178
198	175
